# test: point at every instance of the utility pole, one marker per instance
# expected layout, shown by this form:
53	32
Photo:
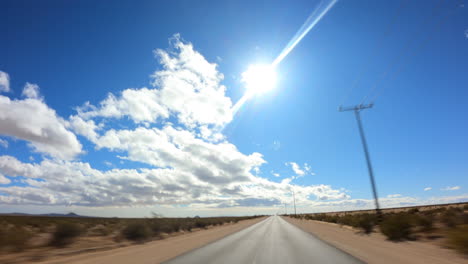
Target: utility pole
357	109
294	198
285	209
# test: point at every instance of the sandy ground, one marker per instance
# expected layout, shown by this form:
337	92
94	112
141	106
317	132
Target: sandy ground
156	251
374	248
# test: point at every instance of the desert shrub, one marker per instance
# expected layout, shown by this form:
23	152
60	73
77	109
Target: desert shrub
187	226
465	207
309	217
65	233
15	238
200	223
176	226
137	231
426	222
413	210
464	218
458	239
167	228
396	227
366	222
349	220
155	227
449	218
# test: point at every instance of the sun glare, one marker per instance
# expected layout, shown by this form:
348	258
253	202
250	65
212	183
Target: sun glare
259	78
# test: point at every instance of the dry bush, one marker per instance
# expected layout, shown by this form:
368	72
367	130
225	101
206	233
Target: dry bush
396	227
366	222
65	233
14	239
458	239
200	223
450	217
426	222
137	231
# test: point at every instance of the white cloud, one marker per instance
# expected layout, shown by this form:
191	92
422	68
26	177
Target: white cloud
360	204
393	195
3	143
451	188
295	167
86	128
275	174
306	169
77	183
32	120
4	82
4	180
427	189
188	88
31	91
172	148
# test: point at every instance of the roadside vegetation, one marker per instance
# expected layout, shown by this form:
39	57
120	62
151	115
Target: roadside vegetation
18	233
447	223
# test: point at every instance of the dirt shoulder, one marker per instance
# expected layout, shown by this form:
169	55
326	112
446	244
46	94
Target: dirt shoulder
374	248
155	251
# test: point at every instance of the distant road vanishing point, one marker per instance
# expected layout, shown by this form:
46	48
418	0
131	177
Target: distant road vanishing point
272	240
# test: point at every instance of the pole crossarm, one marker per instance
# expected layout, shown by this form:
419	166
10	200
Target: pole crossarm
355	108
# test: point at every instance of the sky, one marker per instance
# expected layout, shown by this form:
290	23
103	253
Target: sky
126	108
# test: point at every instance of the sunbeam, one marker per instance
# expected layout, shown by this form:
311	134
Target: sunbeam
311	21
255	84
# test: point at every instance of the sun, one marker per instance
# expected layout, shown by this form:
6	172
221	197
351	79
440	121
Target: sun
259	78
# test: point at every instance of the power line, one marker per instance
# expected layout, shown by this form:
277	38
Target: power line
378	45
406	50
398	70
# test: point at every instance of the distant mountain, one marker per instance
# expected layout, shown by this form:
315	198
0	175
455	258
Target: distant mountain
71	214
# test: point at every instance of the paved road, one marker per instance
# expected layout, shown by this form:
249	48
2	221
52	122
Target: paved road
271	241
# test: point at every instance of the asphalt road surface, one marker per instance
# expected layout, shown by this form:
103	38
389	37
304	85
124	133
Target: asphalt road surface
270	241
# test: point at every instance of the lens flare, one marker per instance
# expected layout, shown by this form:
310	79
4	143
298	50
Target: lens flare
262	78
259	78
311	21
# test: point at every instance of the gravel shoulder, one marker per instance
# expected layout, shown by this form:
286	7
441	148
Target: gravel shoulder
155	251
374	248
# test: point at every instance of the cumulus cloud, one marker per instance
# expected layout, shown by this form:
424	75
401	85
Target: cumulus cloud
31	90
4	82
360	204
3	143
393	195
86	128
188	88
306	169
4	180
451	188
427	189
174	148
295	167
275	174
77	183
32	120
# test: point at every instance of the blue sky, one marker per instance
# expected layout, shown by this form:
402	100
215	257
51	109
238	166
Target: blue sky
142	149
